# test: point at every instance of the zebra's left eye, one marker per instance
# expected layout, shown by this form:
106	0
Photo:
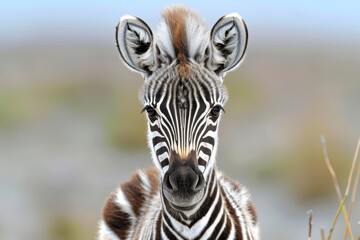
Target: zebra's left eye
215	111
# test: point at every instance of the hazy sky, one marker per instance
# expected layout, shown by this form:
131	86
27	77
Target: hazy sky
22	21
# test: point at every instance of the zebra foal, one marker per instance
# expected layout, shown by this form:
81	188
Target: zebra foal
184	196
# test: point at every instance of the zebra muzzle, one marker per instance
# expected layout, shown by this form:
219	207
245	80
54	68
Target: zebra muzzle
183	183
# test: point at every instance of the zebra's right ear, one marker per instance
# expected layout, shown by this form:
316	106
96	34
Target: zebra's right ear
134	41
229	41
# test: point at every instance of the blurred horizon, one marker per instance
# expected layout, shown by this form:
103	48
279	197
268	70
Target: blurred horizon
71	128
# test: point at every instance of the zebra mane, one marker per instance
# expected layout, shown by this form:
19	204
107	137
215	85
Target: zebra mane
181	35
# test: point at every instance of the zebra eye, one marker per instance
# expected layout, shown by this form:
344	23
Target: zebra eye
215	111
151	112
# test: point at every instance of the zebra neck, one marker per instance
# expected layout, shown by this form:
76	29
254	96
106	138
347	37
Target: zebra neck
203	214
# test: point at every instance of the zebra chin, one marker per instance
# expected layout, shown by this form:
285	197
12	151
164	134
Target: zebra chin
182	203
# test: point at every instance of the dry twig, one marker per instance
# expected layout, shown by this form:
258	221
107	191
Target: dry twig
310	224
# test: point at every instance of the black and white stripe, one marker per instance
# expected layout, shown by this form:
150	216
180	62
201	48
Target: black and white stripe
183	107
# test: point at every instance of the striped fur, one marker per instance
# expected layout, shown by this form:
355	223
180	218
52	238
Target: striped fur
184	196
195	94
136	210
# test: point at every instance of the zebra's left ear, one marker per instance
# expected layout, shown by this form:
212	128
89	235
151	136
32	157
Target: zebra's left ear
228	40
134	41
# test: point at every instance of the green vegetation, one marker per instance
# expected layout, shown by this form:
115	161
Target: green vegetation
243	93
125	125
21	104
64	228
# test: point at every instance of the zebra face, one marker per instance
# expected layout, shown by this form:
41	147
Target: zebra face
183	112
183	65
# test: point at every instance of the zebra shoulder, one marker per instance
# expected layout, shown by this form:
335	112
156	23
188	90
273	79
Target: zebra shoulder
241	198
124	207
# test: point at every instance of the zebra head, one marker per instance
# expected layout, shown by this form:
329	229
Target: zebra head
183	66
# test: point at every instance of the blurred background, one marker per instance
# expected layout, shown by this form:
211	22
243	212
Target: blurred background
71	128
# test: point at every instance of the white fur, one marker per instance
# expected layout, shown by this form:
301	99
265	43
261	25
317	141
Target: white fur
197	36
163	156
105	233
145	182
122	202
203	156
164	40
159	145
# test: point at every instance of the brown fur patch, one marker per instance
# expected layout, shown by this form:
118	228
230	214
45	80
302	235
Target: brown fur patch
154	178
134	191
175	18
253	213
176	21
234	184
115	217
117	220
184	69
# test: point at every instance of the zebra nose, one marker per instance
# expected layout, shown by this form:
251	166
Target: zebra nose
184	180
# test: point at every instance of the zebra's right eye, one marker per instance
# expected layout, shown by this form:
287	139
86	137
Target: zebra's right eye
151	112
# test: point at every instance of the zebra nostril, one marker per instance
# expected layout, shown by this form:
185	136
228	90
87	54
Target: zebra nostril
199	185
167	184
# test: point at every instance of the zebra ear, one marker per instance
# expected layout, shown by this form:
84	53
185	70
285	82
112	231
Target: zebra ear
228	41
134	41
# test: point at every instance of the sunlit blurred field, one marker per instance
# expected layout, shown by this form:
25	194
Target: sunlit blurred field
71	130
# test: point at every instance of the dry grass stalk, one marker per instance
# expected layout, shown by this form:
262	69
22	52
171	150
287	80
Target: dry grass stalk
322	231
331	169
340	209
356	182
342	199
